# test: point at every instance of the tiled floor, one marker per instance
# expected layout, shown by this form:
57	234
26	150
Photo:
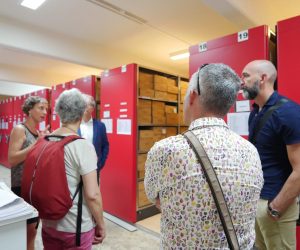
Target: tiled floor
118	238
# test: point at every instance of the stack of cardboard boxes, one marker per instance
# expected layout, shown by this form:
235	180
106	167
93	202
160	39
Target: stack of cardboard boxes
158	118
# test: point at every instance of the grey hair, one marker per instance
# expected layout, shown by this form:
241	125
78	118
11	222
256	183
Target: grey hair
70	106
30	102
89	100
219	85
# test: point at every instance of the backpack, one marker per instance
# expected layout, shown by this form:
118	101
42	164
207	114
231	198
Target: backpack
44	182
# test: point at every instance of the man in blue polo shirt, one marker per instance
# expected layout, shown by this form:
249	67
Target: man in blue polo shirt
278	144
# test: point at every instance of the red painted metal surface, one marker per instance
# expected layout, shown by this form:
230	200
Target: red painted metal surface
288	54
7	125
55	92
229	51
85	85
118	178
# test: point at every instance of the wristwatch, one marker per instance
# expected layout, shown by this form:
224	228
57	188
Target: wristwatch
273	212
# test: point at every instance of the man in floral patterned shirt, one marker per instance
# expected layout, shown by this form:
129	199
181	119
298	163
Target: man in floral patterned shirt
174	179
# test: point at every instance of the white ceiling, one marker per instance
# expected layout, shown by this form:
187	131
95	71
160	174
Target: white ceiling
67	39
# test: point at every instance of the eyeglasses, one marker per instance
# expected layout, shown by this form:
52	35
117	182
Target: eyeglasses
198	79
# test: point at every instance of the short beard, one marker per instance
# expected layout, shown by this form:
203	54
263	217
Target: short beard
250	93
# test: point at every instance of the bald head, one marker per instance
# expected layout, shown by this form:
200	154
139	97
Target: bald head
263	67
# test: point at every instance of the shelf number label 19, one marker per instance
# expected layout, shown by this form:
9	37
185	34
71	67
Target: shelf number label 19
243	36
202	47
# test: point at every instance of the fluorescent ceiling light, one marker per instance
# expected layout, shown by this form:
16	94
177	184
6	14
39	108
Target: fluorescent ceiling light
179	55
32	4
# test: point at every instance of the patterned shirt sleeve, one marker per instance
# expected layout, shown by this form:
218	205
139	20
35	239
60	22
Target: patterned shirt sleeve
153	173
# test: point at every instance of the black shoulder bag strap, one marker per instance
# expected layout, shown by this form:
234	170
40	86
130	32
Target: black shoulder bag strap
265	117
79	211
216	189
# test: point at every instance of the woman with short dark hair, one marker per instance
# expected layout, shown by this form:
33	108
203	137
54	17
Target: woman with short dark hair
22	138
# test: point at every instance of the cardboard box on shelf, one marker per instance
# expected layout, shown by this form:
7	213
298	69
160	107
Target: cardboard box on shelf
172	97
172	89
170	109
171	82
147	92
144	111
171	131
161	95
146	80
142	198
172	118
160	83
141	165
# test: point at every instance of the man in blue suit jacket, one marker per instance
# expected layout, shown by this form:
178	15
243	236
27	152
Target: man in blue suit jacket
94	131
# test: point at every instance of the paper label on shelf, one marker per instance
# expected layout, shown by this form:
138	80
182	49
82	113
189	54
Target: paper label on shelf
106	105
123	68
108	124
243	36
106	114
123	110
242	106
202	47
123	103
124	126
238	122
123	116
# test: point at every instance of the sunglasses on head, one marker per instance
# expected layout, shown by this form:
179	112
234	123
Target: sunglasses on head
198	79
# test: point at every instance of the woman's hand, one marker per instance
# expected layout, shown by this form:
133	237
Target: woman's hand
99	234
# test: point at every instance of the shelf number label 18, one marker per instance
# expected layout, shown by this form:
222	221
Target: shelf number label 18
202	47
243	36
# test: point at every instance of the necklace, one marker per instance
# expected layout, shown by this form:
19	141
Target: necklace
74	131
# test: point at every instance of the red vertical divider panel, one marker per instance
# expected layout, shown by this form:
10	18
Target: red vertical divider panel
118	112
288	54
8	125
235	50
55	92
1	131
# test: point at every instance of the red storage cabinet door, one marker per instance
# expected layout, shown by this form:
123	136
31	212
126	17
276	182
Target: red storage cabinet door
1	132
230	51
288	54
85	85
55	92
8	125
118	106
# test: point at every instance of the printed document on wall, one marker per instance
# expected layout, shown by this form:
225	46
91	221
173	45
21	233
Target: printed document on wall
108	124
124	126
238	122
